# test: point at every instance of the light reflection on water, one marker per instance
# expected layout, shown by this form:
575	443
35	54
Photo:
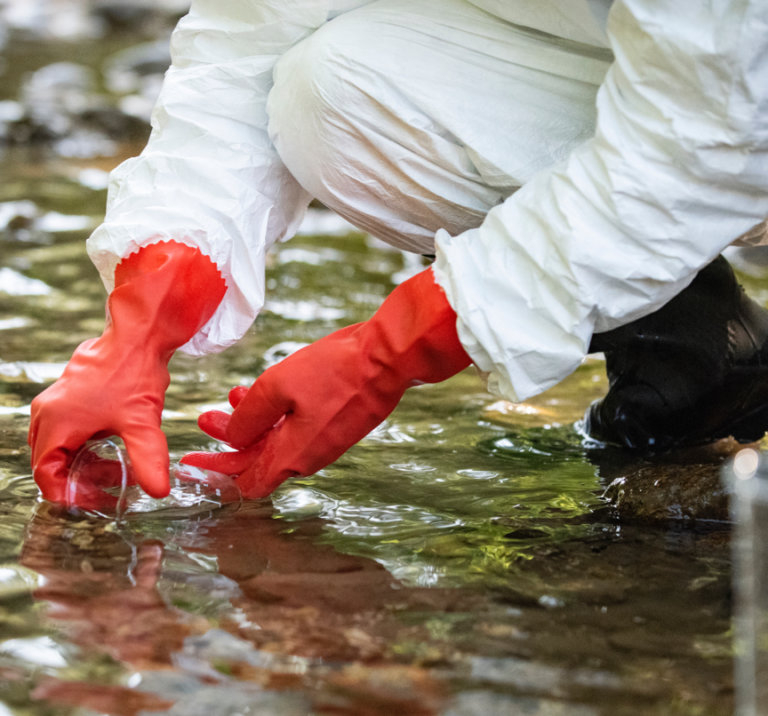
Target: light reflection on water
460	560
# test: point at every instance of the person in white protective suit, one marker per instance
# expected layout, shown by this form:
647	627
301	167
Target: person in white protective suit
576	167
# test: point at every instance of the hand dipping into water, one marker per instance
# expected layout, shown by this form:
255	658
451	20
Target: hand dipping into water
101	481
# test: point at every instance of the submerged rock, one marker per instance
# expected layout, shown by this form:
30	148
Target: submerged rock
681	486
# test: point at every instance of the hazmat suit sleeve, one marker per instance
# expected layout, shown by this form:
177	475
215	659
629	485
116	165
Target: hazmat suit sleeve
676	171
209	175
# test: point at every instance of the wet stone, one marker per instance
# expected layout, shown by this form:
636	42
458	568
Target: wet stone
685	486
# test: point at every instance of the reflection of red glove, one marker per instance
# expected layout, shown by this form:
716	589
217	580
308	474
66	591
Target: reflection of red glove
304	412
115	384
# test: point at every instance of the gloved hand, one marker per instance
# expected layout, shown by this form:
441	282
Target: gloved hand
306	411
115	384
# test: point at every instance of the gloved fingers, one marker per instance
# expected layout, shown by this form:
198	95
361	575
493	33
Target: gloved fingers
267	471
255	484
39	438
227	463
247	466
297	445
284	453
54	470
51	471
32	434
259	410
54	446
148	451
237	394
214	423
52	476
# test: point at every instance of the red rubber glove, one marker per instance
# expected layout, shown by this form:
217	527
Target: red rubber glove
306	411
115	384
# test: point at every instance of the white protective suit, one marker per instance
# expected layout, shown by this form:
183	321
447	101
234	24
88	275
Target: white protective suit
638	131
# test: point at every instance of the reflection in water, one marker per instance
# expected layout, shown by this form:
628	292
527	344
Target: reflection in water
463	559
296	610
241	607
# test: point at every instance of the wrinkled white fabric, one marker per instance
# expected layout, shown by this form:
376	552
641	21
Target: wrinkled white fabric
677	169
408	117
210	176
582	21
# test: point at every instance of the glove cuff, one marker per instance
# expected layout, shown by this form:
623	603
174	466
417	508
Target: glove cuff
164	293
414	332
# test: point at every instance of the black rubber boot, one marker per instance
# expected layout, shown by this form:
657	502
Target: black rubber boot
694	371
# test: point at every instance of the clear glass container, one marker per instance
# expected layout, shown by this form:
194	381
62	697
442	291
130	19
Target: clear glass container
101	481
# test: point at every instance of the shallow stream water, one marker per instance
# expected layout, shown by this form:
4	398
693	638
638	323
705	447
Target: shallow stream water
468	557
